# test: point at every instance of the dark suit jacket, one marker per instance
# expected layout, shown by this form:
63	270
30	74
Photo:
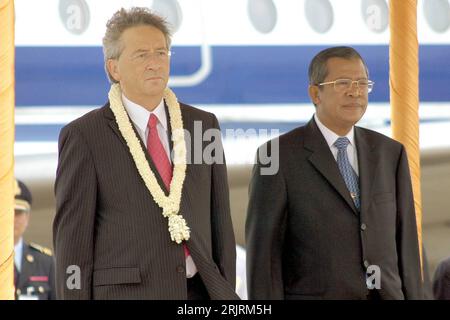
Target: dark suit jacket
441	281
37	272
108	224
305	238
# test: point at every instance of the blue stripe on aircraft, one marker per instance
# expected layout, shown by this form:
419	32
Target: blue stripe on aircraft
55	76
50	132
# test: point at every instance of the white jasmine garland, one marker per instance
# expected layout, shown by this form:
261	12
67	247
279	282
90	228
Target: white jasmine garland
170	204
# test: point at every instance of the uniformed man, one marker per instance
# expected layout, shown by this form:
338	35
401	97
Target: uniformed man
34	267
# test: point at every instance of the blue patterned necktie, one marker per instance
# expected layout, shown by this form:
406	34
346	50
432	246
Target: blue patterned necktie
349	175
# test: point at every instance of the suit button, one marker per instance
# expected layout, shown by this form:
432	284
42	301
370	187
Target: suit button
366	264
363	226
180	269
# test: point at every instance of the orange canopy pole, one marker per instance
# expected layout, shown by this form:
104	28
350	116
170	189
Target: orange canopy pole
6	149
404	90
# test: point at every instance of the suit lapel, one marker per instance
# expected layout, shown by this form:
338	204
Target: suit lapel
367	167
109	115
185	211
322	159
169	129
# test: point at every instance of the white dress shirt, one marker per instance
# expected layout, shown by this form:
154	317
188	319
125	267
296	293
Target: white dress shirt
18	252
140	116
331	138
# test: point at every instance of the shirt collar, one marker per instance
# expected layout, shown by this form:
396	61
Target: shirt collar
18	250
331	136
139	115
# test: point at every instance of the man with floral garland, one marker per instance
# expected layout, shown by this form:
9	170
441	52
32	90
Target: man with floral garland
134	219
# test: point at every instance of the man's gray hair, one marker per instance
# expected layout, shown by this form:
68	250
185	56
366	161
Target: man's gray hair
318	67
121	21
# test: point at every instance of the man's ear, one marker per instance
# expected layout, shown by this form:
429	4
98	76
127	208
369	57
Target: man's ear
113	69
313	92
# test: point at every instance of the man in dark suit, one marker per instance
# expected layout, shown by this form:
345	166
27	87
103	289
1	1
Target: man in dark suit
337	220
34	268
132	220
441	281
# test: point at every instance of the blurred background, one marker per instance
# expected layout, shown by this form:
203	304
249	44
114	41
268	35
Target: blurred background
244	60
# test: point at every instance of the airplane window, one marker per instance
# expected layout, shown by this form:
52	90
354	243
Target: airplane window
319	14
375	14
437	14
74	15
171	10
262	14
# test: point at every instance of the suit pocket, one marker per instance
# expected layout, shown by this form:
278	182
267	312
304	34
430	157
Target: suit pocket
383	197
111	276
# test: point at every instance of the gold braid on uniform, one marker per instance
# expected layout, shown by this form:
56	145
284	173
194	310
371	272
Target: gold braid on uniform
41	249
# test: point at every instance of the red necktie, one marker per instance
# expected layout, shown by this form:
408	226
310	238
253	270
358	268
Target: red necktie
159	156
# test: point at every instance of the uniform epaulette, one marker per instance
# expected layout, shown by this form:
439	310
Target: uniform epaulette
41	249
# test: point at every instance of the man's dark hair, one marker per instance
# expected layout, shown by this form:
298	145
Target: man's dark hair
318	71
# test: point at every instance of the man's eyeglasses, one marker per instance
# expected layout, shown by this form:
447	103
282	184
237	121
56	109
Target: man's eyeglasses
342	85
158	54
